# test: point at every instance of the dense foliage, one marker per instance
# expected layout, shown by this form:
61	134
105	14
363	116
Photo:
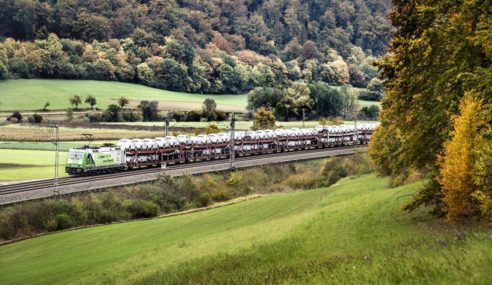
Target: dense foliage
441	51
197	46
309	100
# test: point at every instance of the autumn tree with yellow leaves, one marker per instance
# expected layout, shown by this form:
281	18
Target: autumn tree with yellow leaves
461	163
435	119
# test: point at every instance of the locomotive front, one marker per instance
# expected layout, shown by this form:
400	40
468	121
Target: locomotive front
88	160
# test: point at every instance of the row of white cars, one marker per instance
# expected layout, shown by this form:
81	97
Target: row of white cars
294	136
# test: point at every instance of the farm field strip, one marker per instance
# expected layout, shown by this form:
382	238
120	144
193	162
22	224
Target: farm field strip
16	132
64	146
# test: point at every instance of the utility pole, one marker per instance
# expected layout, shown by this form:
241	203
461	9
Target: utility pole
57	157
166	127
232	143
356	132
303	117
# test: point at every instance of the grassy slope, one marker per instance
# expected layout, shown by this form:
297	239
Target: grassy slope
29	164
32	94
352	232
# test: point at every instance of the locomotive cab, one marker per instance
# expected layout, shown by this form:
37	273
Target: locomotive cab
87	160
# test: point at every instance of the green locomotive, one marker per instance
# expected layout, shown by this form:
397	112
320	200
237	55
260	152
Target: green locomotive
90	160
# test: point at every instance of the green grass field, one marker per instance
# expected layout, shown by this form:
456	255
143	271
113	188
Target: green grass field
32	94
29	164
351	233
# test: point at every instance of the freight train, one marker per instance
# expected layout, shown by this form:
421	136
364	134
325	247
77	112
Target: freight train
139	153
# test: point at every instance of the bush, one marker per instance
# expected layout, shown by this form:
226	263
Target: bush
331	121
35	119
220	115
193	116
264	119
177	116
16	117
131	116
369	95
369	113
213	129
337	168
94	117
141	209
63	221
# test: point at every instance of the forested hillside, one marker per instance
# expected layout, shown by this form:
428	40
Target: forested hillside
202	46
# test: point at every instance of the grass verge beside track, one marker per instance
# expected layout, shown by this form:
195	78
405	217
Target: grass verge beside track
29	164
352	232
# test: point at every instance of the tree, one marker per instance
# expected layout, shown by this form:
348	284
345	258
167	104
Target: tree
460	160
46	105
267	97
349	100
369	112
298	98
309	51
375	87
263	75
335	73
145	74
4	72
209	109
264	119
435	58
75	101
150	110
233	81
123	101
209	105
112	114
91	100
172	75
327	101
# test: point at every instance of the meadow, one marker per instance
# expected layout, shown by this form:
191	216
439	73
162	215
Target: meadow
351	233
29	164
32	94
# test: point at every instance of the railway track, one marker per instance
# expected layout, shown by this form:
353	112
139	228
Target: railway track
74	180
